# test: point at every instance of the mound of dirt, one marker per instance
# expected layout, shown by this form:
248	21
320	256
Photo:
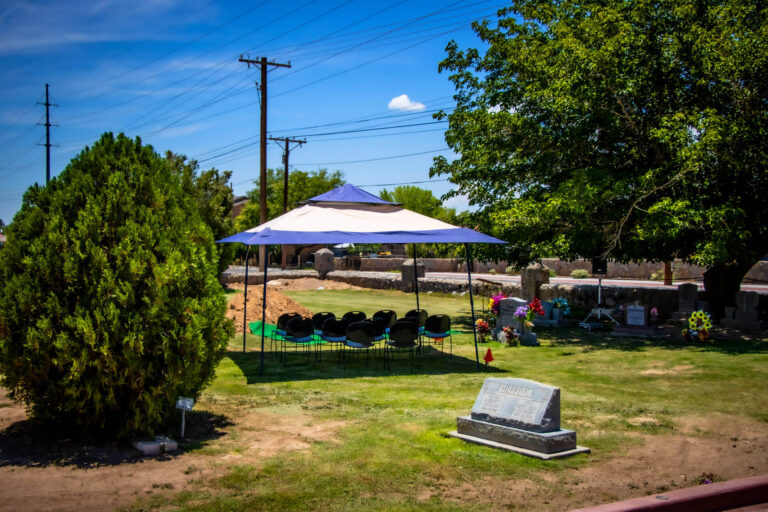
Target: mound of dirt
277	304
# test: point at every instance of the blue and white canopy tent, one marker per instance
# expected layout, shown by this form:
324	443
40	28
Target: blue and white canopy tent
349	214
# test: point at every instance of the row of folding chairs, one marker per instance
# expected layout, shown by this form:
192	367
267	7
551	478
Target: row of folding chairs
356	333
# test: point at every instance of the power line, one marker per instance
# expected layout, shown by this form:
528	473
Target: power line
376	159
403	183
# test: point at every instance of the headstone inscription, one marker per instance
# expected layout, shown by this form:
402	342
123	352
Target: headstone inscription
636	323
518	415
636	315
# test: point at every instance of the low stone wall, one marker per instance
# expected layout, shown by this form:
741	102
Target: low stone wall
680	270
579	295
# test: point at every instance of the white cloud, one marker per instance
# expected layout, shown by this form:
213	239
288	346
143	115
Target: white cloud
403	102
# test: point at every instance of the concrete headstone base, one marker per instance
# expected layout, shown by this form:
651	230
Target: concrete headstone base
543	445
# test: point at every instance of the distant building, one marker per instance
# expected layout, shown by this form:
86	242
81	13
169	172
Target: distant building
238	204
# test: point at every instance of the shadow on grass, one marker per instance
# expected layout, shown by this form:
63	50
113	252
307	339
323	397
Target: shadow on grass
300	367
28	443
565	337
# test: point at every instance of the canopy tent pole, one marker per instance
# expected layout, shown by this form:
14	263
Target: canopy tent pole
415	276
245	295
264	307
472	303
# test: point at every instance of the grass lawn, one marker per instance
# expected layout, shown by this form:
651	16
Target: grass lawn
371	438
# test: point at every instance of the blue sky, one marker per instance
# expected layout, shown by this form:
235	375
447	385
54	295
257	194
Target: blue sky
361	90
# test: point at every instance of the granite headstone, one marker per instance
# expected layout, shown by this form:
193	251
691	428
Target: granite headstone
519	415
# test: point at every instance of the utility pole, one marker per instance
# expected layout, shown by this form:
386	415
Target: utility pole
287	151
262	64
47	144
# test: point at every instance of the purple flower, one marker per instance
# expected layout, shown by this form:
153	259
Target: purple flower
521	312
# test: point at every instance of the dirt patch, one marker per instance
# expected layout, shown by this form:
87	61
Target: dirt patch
311	283
277	304
39	473
681	368
734	447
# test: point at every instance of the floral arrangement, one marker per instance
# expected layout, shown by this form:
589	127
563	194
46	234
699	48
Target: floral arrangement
562	303
699	325
482	327
493	302
511	334
527	312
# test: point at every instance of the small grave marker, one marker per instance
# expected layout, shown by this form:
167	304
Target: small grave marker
637	315
185	404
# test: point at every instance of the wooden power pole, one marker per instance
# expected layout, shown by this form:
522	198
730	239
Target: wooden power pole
263	66
287	151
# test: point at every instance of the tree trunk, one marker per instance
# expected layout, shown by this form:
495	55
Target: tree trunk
721	282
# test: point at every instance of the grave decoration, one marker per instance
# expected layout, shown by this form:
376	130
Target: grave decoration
518	415
560	308
525	314
637	322
510	336
699	325
482	328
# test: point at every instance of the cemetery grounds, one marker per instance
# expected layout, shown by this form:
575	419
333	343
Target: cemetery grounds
658	415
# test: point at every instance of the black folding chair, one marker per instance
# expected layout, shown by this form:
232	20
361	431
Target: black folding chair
437	328
420	315
354	316
299	333
388	315
403	335
278	335
360	338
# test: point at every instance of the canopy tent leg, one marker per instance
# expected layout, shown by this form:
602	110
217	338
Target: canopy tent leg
472	303
415	277
264	308
245	295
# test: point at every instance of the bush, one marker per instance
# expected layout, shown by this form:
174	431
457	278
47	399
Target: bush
579	273
110	306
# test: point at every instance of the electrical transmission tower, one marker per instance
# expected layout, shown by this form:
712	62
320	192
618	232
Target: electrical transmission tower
47	125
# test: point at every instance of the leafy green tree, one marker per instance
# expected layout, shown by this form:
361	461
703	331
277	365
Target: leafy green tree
424	202
301	185
214	199
634	130
110	307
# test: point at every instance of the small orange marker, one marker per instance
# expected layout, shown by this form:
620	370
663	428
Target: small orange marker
488	357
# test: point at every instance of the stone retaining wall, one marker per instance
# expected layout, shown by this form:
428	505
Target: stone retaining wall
680	270
579	295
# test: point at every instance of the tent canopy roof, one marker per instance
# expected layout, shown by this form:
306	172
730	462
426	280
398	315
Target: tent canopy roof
346	194
336	217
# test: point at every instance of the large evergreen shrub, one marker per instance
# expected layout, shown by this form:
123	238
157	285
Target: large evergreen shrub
109	302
